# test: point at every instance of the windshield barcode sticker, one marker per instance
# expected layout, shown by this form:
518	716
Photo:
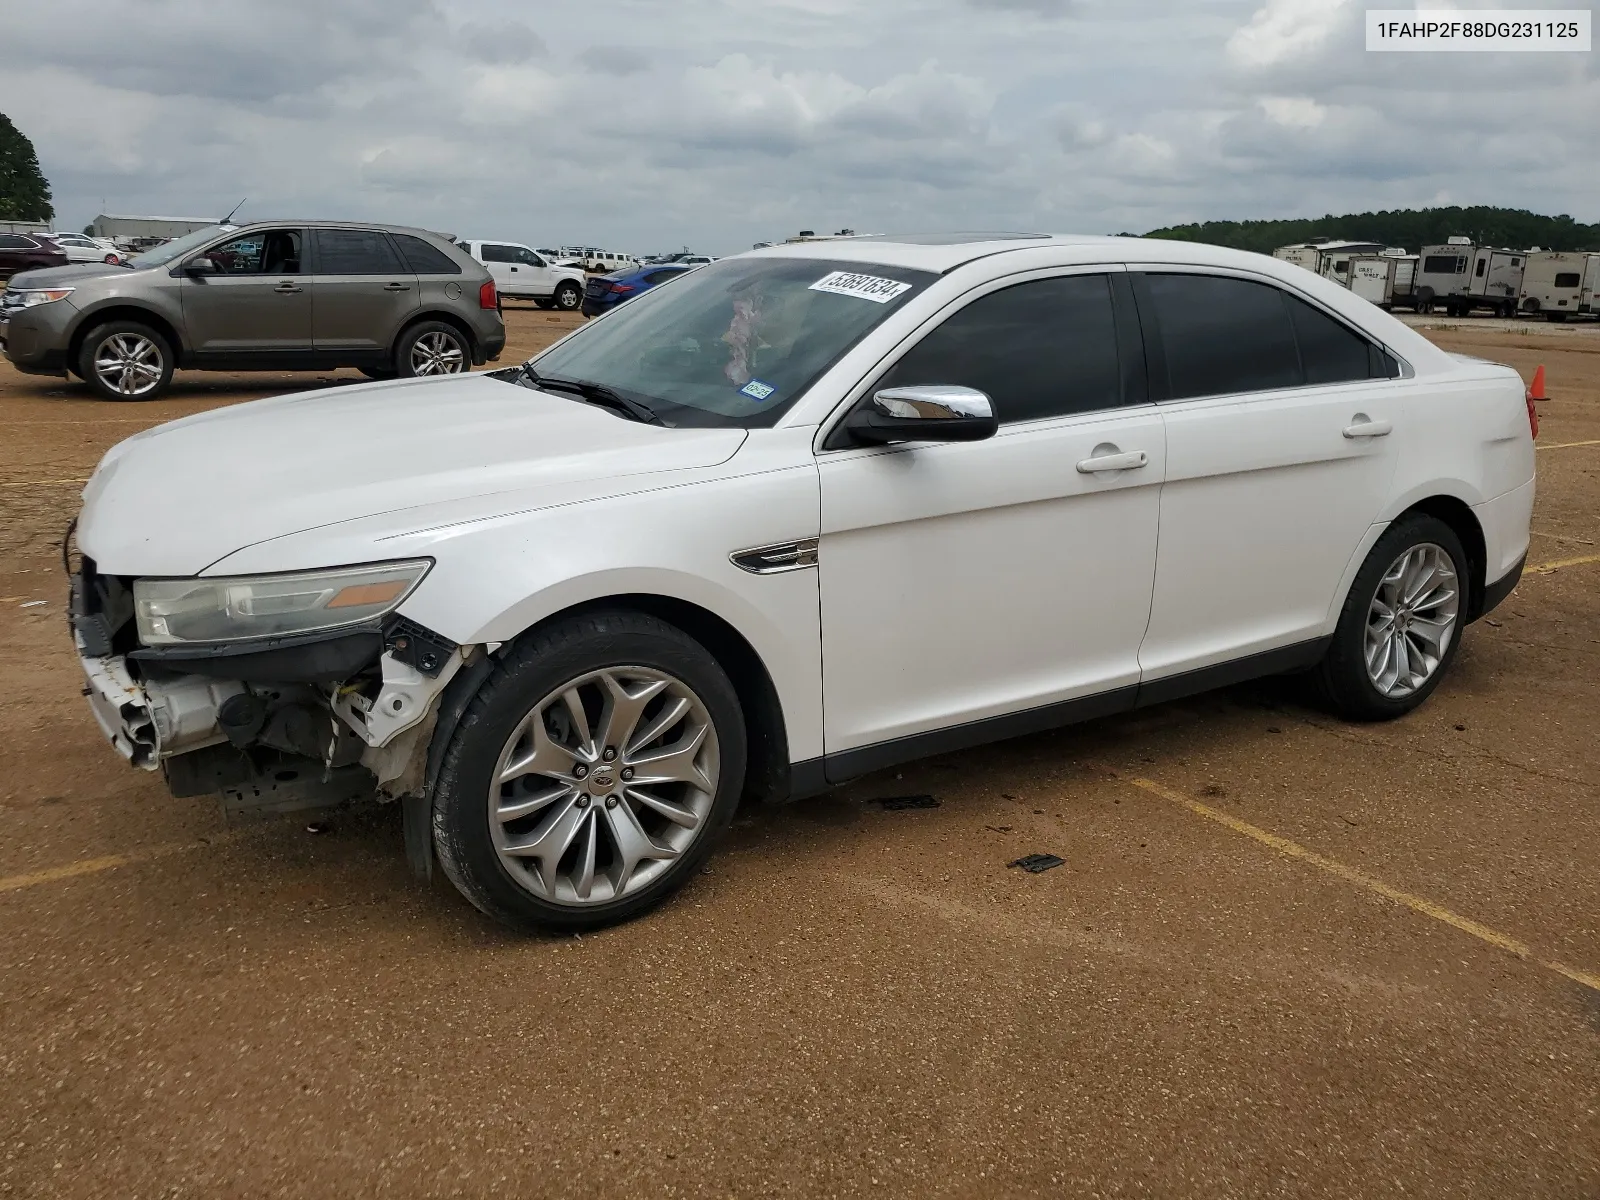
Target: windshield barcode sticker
866	287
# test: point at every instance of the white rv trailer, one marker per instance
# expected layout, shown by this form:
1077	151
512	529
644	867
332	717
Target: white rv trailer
1328	257
1558	283
1460	277
1384	279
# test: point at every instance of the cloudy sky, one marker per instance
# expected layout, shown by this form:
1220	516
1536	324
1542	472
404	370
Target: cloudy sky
652	124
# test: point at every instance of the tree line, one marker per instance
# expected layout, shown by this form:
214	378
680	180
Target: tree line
1408	227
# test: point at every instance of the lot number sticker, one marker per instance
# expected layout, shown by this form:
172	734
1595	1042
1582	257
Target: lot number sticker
864	287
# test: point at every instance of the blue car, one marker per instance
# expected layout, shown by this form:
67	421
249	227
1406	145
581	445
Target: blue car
608	291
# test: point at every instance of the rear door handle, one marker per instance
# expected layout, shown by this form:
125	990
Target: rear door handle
1366	429
397	287
1132	460
286	288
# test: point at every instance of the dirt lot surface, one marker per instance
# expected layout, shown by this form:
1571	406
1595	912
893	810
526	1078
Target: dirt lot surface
1285	956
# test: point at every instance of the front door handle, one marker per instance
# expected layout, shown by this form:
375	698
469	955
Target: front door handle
1132	460
397	287
286	288
1366	429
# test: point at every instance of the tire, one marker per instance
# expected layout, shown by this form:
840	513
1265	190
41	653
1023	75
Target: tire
377	372
568	296
580	807
1343	679
145	357
547	304
432	348
1556	317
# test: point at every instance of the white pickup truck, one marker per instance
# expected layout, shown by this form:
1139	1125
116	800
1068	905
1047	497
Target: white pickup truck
522	273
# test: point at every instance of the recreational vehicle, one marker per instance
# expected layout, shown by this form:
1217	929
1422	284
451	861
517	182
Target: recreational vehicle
1460	277
1328	257
1384	279
1558	283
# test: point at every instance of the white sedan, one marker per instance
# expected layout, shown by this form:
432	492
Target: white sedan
807	513
81	248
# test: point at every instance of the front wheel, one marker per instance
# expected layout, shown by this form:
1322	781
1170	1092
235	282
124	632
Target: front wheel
592	774
125	360
1401	624
432	348
568	296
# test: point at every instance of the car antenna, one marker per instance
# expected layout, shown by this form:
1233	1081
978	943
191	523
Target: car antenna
236	208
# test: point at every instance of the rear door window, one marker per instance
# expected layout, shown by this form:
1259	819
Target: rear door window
1221	335
1040	349
1329	351
355	252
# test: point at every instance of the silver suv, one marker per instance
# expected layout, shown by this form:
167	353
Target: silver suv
270	296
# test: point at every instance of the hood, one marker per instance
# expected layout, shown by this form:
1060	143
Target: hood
48	277
179	497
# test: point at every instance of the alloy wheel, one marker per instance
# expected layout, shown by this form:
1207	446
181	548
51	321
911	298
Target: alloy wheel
605	783
568	297
437	353
1411	620
129	364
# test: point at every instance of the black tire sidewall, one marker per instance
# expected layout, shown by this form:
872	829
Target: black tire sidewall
568	289
402	353
550	658
97	336
1344	670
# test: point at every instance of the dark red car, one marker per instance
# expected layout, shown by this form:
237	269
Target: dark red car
27	251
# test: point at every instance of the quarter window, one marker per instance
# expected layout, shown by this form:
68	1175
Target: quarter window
1222	335
423	258
1039	349
493	253
13	241
355	252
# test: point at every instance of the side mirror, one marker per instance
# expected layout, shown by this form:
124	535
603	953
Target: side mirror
931	413
199	265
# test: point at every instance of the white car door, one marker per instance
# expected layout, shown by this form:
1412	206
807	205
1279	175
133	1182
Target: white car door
1000	578
1279	460
534	277
499	258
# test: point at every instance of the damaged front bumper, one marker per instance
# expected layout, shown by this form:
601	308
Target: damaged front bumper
276	724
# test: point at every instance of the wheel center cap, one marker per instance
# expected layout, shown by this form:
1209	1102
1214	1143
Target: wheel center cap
602	781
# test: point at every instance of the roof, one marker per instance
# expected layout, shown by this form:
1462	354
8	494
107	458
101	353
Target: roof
934	252
163	220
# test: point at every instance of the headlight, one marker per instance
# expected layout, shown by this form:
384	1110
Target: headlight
171	611
28	297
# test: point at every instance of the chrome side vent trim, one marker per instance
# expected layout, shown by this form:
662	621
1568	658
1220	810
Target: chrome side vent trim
780	556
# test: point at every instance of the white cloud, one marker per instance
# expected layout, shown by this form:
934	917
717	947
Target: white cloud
1293	112
1283	30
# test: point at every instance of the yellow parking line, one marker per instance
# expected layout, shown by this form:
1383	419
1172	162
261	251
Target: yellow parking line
107	862
1352	875
1546	568
1568	445
43	483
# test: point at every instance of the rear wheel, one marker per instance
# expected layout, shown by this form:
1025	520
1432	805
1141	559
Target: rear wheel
432	348
547	303
1401	624
568	296
126	360
591	775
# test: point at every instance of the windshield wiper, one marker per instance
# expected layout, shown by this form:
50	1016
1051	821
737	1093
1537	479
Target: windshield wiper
595	393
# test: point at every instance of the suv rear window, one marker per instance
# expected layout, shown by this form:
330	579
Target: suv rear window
423	258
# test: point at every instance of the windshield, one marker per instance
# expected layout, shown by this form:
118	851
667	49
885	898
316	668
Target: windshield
161	255
735	342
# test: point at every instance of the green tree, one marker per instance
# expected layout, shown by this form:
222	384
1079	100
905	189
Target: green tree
24	191
1411	228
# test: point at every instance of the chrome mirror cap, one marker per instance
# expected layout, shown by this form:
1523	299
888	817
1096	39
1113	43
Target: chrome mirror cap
933	402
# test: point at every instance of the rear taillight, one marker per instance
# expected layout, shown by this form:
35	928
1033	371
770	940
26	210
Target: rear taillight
618	289
487	297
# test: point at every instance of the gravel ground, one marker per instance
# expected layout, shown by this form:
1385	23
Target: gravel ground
1285	956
